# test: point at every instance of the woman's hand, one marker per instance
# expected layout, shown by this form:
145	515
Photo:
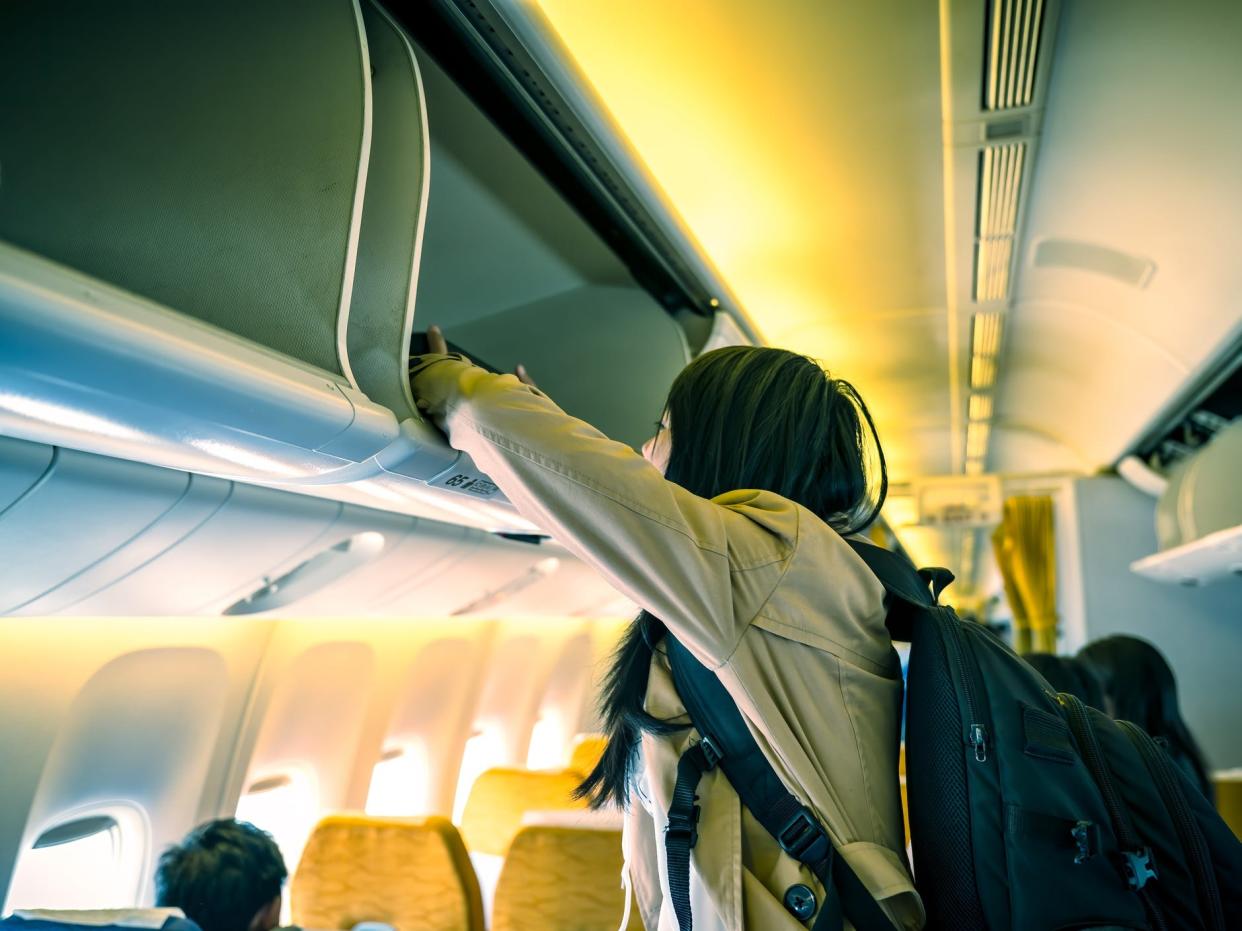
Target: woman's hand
437	344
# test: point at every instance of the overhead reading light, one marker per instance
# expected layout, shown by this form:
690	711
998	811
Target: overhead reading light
1000	189
1012	53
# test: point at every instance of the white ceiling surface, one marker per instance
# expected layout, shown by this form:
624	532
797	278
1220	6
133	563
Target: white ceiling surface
801	143
1142	153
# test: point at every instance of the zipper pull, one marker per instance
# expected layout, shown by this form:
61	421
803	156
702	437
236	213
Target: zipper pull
979	740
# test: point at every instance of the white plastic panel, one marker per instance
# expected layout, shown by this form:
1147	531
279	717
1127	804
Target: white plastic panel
574	589
85	509
21	466
413	549
203	498
255	533
470	575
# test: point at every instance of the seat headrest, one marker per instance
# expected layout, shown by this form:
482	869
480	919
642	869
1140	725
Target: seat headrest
501	797
410	873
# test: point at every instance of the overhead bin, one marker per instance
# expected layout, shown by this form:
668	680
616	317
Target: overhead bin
1199	516
514	274
212	240
243	298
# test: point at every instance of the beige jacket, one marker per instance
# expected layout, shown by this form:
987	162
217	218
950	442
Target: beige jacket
761	591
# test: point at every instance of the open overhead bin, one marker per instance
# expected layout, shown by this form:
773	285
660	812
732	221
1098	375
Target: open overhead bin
1199	516
216	223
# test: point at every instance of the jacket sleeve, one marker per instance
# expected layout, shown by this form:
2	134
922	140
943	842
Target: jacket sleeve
670	551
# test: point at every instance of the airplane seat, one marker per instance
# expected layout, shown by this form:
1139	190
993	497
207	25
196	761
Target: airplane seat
559	877
498	802
259	167
500	798
409	873
111	919
586	752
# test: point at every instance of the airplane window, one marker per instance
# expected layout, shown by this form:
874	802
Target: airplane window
286	805
90	861
400	781
484	750
547	742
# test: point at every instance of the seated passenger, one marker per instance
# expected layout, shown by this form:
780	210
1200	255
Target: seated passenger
1070	675
226	875
1139	687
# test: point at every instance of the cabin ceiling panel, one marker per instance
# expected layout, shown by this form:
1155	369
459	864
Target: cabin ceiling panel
1141	145
1073	375
801	143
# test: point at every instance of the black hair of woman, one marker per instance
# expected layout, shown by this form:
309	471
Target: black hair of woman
1070	675
1139	687
744	417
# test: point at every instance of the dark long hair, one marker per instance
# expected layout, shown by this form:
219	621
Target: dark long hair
1068	674
744	417
1140	688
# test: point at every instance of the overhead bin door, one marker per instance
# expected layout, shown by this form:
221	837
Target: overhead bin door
207	156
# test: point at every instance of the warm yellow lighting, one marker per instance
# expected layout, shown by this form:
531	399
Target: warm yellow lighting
974	466
977	439
982	372
986	333
799	196
980	407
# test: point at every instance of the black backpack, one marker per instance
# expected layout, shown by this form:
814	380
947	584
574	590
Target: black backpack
1028	810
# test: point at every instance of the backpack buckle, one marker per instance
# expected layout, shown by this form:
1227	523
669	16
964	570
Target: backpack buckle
803	838
711	752
1086	836
1138	867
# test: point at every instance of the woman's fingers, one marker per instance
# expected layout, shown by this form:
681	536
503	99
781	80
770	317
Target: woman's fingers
435	341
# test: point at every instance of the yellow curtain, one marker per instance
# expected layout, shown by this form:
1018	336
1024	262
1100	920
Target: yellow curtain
1025	547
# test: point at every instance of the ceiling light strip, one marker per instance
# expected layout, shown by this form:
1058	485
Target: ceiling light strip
980	407
1012	53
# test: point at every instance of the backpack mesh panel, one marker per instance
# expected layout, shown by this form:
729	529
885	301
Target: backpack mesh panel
939	803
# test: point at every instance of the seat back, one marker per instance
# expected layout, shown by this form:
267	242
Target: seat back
500	798
557	877
411	873
586	753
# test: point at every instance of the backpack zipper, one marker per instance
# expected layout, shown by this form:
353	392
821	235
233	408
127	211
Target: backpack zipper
977	732
1199	860
1138	857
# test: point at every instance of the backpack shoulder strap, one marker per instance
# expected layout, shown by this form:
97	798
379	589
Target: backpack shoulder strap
910	590
727	742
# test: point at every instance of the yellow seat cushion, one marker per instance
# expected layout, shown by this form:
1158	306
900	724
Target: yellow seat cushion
586	753
1229	800
501	797
562	879
411	873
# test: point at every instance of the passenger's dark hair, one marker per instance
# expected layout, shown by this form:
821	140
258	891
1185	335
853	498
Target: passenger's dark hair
1067	674
755	418
1140	688
221	875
